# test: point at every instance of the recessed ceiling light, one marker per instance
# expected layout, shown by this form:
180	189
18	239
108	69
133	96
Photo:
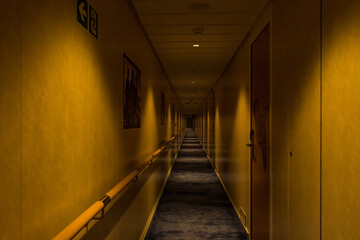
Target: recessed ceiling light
199	7
196	45
198	30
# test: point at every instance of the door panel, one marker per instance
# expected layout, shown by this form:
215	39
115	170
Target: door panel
260	108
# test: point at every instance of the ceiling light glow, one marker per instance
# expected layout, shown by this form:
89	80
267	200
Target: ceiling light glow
196	45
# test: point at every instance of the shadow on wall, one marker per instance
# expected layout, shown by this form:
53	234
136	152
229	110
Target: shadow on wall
113	217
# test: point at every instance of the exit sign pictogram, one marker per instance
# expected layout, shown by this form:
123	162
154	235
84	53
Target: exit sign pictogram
87	17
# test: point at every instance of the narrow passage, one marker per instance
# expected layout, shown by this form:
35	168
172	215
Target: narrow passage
194	205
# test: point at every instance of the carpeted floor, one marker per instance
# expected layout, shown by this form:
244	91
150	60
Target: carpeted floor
194	205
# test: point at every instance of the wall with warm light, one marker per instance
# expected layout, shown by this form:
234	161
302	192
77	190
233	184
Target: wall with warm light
315	105
295	119
340	119
10	121
232	129
62	142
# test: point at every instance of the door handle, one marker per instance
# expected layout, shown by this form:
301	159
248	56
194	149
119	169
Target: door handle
251	146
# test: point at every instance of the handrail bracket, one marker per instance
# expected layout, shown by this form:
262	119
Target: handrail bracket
102	215
135	179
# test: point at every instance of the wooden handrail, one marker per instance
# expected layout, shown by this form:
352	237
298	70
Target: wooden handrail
81	221
89	214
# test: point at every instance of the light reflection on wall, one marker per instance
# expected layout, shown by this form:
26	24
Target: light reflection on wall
240	176
169	122
341	122
65	106
149	123
218	142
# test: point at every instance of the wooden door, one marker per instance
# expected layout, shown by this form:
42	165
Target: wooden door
260	123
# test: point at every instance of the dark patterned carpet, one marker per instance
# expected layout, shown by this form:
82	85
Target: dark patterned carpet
194	205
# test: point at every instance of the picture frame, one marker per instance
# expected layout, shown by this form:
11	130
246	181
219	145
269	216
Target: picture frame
131	94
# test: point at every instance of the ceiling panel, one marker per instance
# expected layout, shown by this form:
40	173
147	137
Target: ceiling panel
189	45
196	75
194	70
194	54
189	29
184	6
218	26
202	50
215	69
197	19
195	62
191	89
198	38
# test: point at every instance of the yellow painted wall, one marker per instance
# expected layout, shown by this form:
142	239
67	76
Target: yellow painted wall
341	123
328	152
10	120
295	119
296	53
211	128
232	129
62	144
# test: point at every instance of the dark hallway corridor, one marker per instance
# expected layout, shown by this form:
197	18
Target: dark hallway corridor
194	205
96	97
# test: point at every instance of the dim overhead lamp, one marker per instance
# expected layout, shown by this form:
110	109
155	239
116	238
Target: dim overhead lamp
193	82
196	45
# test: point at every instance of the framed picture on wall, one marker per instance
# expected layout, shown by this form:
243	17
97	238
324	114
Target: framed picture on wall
132	94
162	107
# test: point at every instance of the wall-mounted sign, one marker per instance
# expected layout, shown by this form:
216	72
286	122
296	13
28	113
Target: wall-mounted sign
93	28
82	13
87	17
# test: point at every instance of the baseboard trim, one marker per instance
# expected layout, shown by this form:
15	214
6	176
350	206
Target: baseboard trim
231	200
153	210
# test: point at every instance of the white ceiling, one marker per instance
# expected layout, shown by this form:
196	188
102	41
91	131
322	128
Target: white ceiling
173	27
